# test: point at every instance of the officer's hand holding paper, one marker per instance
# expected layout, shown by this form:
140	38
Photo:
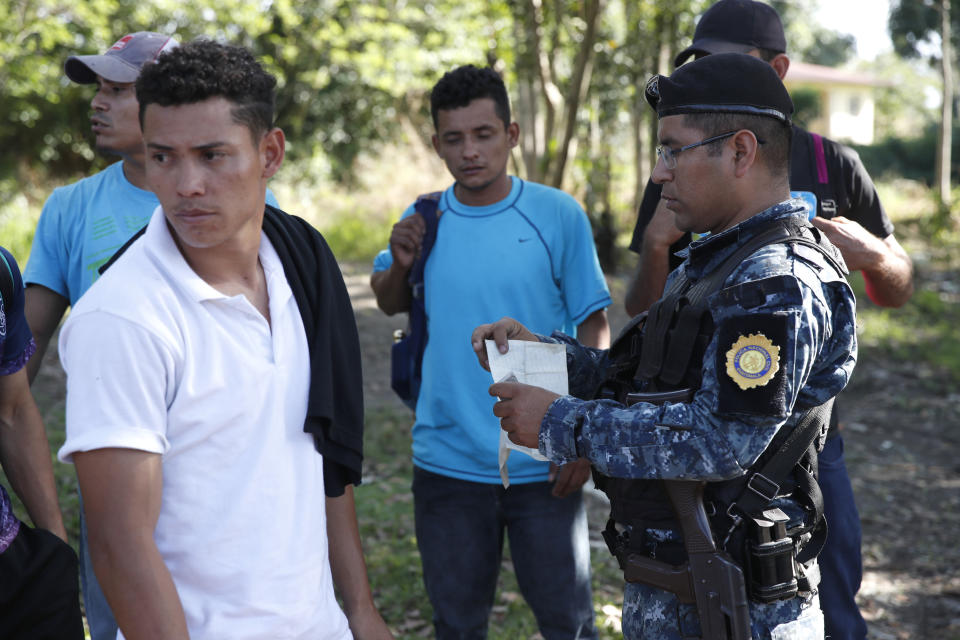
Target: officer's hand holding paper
530	375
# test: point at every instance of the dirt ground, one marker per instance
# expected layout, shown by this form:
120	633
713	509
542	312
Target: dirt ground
902	431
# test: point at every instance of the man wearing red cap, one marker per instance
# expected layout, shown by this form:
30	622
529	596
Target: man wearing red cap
844	204
83	224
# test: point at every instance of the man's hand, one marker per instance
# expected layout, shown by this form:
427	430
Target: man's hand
569	477
500	331
860	248
521	409
406	238
367	624
391	286
887	269
647	285
662	231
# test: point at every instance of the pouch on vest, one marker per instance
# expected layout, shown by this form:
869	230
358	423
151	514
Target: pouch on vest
406	355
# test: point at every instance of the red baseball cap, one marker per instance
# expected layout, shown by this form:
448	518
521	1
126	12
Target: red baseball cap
122	62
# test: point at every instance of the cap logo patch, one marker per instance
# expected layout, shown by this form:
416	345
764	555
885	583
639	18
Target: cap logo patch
752	361
121	43
653	87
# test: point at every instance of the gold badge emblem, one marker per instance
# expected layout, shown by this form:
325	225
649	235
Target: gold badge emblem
752	361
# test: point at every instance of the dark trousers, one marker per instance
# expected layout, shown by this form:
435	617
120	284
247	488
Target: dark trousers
460	530
39	588
841	566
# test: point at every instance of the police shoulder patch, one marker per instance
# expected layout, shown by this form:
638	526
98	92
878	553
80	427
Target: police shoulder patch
752	356
752	361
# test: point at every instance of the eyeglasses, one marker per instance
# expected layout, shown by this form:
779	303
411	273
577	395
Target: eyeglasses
669	156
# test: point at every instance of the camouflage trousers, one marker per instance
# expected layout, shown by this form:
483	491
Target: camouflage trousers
653	614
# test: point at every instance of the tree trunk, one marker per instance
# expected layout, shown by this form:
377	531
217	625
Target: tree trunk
946	113
579	83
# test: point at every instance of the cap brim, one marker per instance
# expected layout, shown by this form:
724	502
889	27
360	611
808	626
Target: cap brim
707	46
85	69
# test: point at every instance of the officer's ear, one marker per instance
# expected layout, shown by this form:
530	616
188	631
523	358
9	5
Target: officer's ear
745	149
780	64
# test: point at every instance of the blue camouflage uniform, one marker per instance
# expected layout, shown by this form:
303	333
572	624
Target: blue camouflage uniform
808	312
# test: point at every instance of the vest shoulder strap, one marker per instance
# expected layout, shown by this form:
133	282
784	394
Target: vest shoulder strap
677	321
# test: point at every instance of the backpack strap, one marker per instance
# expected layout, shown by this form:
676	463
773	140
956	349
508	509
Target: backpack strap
427	205
826	192
126	245
822	176
406	355
6	282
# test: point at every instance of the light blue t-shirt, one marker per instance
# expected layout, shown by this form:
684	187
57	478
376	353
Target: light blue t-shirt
82	225
530	256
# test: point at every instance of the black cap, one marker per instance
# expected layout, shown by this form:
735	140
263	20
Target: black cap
736	26
721	83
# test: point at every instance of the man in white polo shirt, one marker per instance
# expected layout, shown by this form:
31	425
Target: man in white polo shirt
214	410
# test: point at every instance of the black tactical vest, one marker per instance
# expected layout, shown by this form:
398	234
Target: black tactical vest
663	350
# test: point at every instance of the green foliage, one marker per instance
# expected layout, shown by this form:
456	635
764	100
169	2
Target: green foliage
354	74
911	158
902	102
356	238
808	41
806	105
922	331
17	225
914	26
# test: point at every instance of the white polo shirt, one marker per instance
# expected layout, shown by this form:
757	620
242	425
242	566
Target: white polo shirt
158	360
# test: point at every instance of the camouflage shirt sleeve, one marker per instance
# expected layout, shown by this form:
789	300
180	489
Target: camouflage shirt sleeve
586	366
801	307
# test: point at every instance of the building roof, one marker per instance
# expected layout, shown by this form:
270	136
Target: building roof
805	73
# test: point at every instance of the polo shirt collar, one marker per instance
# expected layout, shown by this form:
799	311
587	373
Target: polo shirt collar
159	243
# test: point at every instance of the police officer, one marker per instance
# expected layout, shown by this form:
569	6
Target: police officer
744	352
848	210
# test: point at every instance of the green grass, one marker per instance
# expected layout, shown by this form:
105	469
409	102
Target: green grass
922	333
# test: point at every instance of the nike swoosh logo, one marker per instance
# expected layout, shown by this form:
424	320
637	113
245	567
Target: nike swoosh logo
524	239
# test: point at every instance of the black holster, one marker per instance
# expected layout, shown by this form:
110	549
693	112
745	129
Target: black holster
709	578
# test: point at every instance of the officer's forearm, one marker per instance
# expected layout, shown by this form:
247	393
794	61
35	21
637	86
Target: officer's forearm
890	282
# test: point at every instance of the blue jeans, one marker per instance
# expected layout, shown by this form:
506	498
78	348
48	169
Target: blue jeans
460	528
99	617
841	566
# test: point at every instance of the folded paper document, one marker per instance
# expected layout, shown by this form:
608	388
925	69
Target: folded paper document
539	364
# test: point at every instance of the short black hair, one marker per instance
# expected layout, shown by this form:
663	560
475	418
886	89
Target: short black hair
463	85
203	69
776	136
767	55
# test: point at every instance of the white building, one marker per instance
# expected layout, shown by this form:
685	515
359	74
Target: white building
846	100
